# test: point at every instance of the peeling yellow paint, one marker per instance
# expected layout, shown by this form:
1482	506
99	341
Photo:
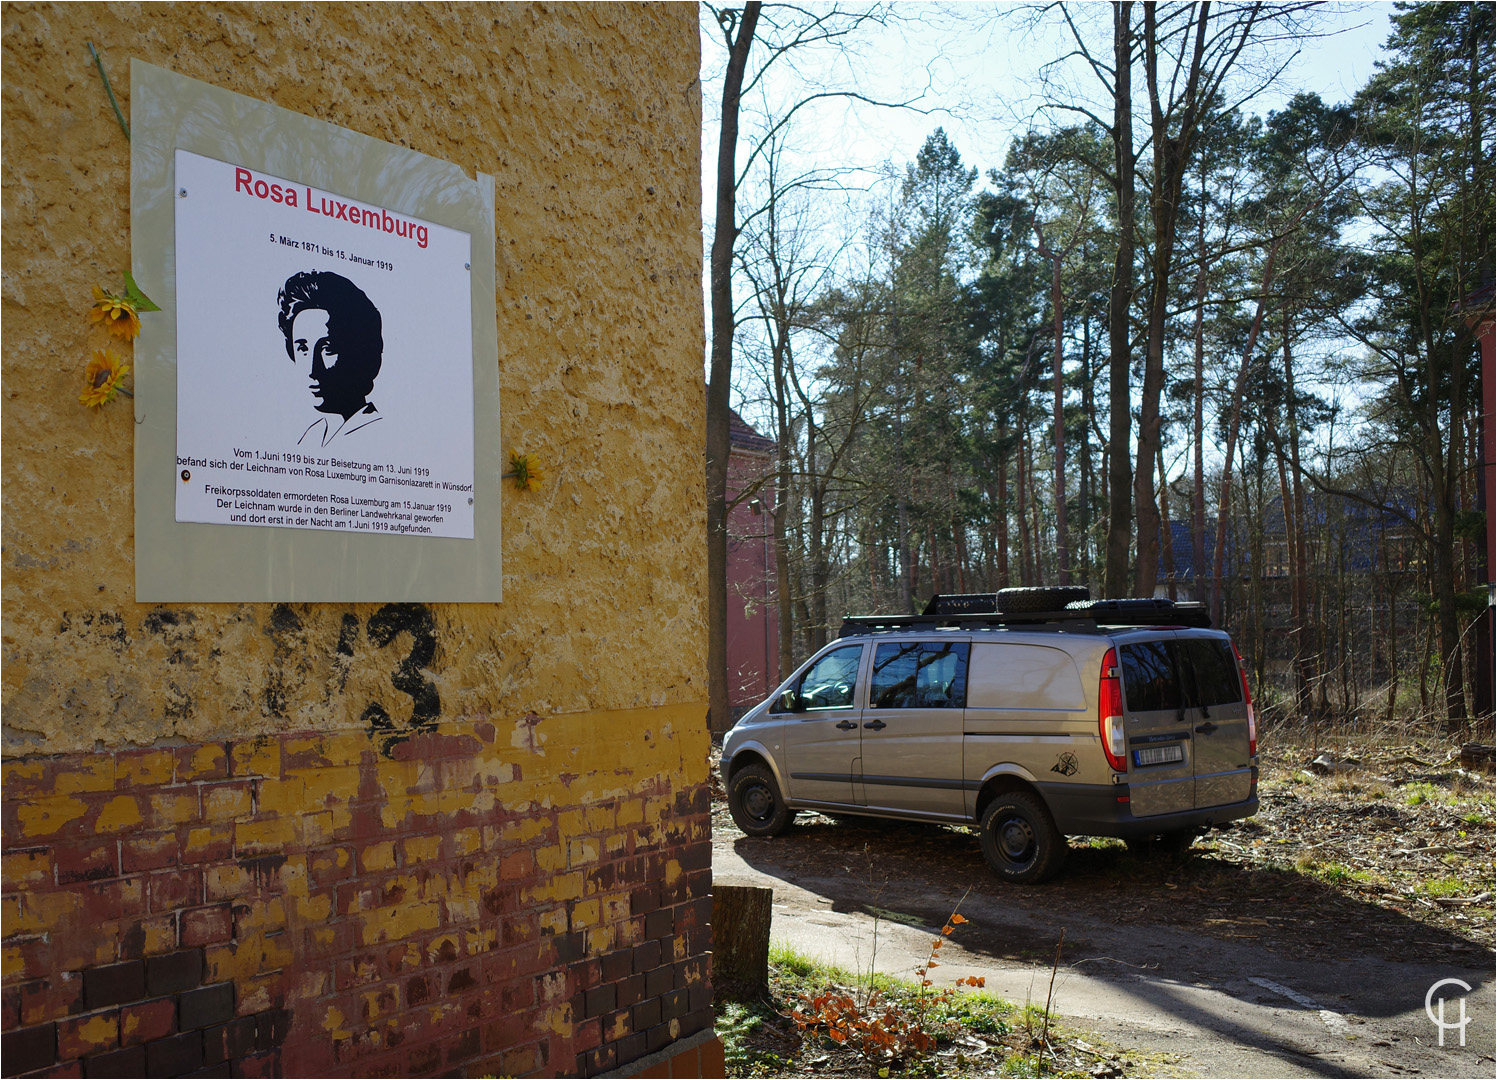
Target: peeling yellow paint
45	816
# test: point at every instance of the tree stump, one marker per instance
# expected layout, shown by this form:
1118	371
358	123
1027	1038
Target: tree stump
740	941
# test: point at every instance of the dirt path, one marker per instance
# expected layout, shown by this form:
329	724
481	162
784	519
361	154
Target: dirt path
1214	966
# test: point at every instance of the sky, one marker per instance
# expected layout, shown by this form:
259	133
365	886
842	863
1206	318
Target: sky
975	69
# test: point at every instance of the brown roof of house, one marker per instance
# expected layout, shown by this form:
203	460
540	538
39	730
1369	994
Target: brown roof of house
743	437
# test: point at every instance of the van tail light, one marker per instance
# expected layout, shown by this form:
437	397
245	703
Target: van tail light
1247	697
1110	713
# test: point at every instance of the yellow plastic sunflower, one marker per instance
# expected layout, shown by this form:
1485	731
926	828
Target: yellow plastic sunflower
101	379
524	472
117	314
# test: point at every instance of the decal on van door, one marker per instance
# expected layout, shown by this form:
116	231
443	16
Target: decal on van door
1066	764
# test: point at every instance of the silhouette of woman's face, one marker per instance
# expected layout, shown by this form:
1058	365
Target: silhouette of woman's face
334	386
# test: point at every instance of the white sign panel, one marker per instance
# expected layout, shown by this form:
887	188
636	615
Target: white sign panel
324	359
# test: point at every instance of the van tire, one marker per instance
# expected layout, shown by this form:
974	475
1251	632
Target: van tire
1046	598
1019	839
756	804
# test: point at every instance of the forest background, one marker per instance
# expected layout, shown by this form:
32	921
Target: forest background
1200	335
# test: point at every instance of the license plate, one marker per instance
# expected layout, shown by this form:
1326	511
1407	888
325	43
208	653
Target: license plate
1159	755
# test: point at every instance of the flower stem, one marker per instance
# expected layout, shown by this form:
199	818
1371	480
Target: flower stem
99	63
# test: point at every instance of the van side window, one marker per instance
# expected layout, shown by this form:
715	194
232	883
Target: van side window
832	680
1213	670
920	675
1149	677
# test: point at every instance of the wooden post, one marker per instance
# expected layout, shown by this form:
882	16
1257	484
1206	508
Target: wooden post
740	940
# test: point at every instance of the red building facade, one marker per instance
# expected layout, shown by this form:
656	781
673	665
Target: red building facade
753	611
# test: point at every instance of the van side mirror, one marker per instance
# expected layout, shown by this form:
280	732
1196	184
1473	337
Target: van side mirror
789	702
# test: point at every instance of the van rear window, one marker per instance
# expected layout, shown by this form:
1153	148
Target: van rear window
1214	671
1191	673
1149	677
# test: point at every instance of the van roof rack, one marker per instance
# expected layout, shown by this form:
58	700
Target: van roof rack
980	610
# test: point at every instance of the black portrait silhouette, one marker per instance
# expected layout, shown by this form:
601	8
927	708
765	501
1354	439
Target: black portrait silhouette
329	323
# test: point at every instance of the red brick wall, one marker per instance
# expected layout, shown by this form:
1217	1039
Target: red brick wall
311	905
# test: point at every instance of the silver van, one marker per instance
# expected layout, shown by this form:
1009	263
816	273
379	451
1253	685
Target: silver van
1096	718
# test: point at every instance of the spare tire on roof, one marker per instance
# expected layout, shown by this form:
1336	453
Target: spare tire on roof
1046	598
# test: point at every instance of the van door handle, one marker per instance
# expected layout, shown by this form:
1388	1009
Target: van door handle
846	725
876	725
1205	729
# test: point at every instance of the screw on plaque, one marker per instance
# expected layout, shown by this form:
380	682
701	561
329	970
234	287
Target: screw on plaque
470	502
186	476
182	193
467	266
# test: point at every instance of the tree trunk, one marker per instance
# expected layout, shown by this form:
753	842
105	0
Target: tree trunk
1120	300
741	917
1234	426
1058	416
725	233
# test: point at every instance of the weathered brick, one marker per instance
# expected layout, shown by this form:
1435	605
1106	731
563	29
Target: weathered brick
138	938
86	860
208	843
207	1006
206	762
521	1060
631	991
149	851
174	972
269	1064
92	1033
169	890
148	1020
675	1004
213	1072
461	1047
229	1042
603	1059
659	981
645	900
175	1056
646	956
419	989
117	898
114	984
271	1028
144	768
504	964
657	1038
659	924
265	836
646	1014
462	979
256	757
632	1048
206	925
131	1061
229	800
423	1059
29	1049
696	1020
618	965
27	868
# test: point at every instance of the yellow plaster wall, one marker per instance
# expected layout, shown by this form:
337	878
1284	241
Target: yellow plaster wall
589	117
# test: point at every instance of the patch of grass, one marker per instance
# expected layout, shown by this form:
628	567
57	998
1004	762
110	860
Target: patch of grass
1424	792
1445	886
736	1024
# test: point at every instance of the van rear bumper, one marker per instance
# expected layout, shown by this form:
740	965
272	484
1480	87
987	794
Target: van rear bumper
1103	810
